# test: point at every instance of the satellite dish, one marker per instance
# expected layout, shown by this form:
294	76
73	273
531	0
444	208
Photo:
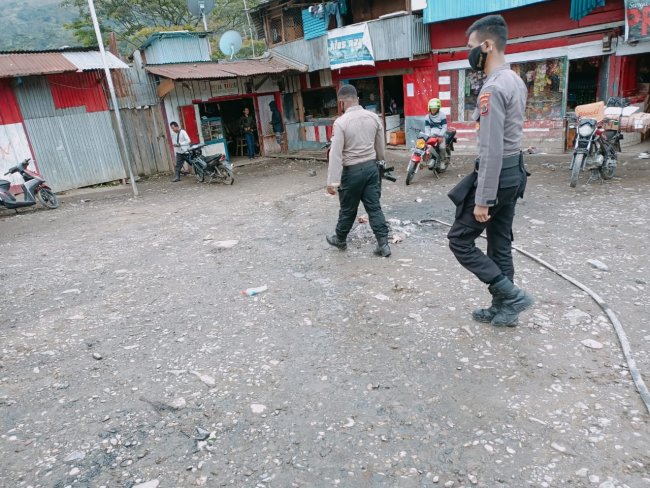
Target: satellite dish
200	7
230	43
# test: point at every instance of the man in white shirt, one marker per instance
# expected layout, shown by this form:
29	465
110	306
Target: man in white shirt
181	142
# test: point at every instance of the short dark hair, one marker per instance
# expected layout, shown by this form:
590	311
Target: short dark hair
173	124
492	27
348	92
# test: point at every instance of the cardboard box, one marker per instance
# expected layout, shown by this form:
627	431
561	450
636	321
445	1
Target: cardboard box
641	122
591	111
397	138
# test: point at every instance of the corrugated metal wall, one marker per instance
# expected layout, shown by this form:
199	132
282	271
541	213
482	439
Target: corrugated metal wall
313	53
312	25
76	150
392	38
420	35
72	147
439	11
398	37
189	49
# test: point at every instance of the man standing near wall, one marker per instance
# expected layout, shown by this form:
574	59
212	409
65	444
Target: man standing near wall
486	199
181	142
247	127
357	144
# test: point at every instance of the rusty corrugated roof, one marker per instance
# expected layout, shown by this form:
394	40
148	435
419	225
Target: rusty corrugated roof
234	69
189	71
25	64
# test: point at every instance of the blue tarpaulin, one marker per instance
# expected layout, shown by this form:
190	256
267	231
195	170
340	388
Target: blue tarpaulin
581	8
439	10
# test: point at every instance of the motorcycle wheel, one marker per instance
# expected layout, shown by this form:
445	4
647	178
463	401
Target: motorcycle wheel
47	198
226	175
607	172
199	173
575	169
410	173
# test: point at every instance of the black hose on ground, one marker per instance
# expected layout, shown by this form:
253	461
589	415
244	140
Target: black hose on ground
618	327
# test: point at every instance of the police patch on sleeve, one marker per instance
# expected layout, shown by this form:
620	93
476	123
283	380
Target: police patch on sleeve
484	103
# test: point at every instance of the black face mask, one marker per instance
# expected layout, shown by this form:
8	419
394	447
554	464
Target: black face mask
477	58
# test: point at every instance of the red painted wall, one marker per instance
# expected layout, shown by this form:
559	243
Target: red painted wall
534	20
10	111
71	90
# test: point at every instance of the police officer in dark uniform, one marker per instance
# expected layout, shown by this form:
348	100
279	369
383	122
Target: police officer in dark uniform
486	199
358	143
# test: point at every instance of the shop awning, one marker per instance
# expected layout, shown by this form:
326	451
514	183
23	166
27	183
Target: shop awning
271	65
582	8
440	11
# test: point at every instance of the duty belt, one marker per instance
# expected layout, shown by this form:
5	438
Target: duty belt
508	162
360	165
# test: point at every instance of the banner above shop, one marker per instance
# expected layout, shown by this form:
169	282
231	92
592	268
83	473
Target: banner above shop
637	20
350	46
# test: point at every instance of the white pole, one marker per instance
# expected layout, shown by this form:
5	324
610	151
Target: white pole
111	89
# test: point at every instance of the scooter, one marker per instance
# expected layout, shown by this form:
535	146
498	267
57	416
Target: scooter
214	167
34	186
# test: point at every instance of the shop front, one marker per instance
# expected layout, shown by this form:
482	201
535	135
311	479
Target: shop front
558	78
385	88
210	107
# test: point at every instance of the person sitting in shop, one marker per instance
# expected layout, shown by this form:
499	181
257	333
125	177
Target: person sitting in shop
435	124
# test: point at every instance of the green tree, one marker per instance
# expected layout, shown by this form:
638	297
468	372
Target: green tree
134	20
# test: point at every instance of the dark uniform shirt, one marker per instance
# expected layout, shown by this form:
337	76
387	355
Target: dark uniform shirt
246	124
500	114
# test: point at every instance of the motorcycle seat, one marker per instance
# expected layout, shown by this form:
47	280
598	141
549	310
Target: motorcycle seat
5	185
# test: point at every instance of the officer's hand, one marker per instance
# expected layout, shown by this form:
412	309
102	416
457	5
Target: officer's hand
331	190
481	213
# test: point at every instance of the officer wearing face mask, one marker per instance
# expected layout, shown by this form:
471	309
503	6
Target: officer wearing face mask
486	199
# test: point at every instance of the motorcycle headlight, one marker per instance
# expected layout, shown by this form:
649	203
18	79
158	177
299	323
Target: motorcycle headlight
420	144
586	130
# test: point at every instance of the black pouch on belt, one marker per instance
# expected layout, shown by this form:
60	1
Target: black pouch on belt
459	193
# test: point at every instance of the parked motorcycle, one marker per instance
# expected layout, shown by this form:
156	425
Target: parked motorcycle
427	151
33	187
596	148
214	167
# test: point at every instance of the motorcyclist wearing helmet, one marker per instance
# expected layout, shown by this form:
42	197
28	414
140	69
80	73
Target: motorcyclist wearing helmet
435	124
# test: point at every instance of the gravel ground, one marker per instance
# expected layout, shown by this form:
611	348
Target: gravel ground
130	357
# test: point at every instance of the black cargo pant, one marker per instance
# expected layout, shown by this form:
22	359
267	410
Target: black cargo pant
360	183
466	229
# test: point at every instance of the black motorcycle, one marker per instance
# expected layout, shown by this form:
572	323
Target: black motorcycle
33	187
213	167
596	148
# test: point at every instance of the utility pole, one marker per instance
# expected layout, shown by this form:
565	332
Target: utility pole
111	89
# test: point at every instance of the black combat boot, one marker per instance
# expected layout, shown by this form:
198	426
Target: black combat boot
486	315
334	240
513	302
382	249
177	176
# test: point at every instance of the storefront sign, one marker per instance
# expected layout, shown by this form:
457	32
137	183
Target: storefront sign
224	87
637	20
350	46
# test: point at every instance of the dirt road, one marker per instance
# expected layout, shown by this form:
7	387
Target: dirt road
130	358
